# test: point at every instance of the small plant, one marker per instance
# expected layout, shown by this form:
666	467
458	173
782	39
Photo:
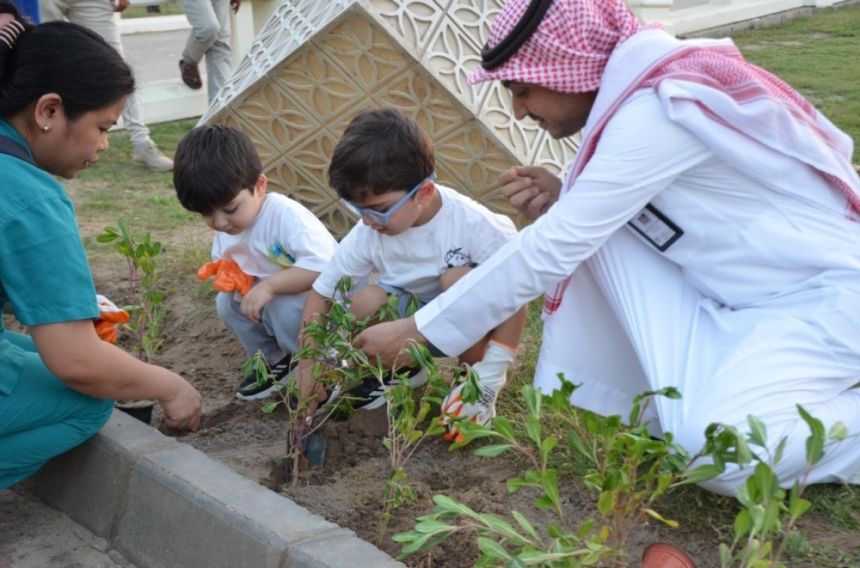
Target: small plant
337	367
410	422
764	527
147	309
628	470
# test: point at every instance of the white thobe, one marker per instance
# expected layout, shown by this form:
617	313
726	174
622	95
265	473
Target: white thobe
752	310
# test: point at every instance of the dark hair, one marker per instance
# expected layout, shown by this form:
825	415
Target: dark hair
381	150
62	58
212	165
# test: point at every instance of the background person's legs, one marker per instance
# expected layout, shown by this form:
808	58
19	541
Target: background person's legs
42	418
218	56
98	16
209	37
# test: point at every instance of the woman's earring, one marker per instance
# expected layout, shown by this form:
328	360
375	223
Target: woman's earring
45	128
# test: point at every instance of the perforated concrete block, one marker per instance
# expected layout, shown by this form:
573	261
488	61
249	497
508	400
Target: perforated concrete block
315	64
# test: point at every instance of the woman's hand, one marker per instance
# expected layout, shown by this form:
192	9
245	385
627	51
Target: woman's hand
183	409
530	189
388	339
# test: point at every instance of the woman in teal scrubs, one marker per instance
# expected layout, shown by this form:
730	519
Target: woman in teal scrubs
61	88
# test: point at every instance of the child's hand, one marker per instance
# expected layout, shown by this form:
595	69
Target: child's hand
255	300
388	340
531	190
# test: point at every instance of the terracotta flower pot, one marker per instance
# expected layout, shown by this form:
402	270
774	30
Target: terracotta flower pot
662	555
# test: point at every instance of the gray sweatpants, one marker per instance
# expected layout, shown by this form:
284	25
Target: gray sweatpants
275	335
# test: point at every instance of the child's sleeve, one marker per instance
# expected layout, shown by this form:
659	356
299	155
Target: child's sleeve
491	232
352	258
307	244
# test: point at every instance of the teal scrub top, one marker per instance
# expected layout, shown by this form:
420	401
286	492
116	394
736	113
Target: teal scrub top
44	273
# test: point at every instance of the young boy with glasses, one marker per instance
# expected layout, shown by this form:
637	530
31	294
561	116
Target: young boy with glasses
267	248
418	236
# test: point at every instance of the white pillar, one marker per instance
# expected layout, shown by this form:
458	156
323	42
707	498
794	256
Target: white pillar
651	10
246	23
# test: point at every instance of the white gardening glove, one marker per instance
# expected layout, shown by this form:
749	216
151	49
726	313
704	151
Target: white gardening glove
492	375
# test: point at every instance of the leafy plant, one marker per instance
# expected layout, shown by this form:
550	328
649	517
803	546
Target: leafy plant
147	309
764	527
411	420
337	367
628	470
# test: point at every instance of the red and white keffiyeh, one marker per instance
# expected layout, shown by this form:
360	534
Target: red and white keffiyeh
568	50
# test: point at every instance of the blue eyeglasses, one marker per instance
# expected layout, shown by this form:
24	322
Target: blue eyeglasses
382	217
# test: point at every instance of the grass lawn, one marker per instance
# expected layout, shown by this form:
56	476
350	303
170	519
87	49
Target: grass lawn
817	55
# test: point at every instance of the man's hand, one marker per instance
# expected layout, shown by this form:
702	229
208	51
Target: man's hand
255	300
531	190
388	339
183	410
234	5
121	5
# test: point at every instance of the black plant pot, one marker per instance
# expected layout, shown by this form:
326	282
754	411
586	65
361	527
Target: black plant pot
142	413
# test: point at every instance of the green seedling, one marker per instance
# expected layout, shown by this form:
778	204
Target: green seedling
628	471
147	309
411	420
766	523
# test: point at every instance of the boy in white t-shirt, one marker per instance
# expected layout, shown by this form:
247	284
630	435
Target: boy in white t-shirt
266	241
418	236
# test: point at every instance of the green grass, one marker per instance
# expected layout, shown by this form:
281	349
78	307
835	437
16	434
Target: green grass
818	56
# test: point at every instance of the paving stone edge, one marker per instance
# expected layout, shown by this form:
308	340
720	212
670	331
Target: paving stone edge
164	504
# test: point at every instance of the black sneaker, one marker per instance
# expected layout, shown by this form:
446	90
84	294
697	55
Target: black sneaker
251	389
369	394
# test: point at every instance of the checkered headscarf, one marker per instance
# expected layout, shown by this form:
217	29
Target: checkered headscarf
568	50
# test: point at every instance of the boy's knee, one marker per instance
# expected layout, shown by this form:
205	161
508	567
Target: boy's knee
366	301
224	305
451	275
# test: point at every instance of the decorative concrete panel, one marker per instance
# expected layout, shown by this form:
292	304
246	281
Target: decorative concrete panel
315	64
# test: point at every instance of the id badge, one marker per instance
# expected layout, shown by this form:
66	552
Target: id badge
656	228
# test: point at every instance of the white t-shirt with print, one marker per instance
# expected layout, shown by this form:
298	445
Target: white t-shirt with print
461	233
284	234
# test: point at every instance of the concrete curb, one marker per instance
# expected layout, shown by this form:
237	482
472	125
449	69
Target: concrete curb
165	504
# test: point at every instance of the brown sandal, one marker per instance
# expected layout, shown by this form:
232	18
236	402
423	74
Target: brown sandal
663	555
190	74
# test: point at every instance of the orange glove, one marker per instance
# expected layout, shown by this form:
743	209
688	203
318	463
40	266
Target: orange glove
228	276
109	318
